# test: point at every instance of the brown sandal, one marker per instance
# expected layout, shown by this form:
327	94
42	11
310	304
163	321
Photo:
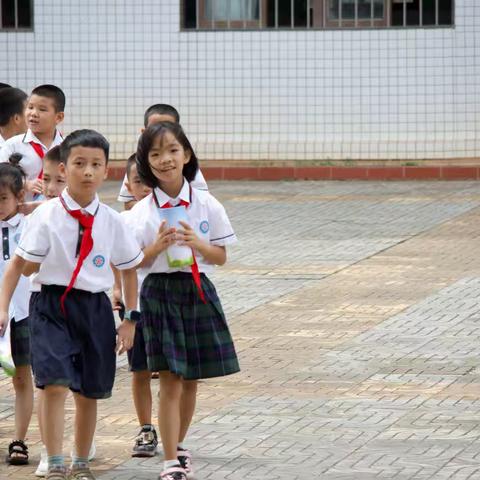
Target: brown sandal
17	453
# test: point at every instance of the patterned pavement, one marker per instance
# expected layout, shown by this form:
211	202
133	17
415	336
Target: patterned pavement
355	310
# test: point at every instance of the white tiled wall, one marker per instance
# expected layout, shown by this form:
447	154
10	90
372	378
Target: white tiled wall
371	94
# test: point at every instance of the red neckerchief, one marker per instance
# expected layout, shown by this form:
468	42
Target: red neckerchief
86	221
39	151
194	266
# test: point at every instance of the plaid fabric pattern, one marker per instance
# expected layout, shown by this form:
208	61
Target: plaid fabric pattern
20	342
182	334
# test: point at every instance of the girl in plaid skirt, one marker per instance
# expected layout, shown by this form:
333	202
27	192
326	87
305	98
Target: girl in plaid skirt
186	334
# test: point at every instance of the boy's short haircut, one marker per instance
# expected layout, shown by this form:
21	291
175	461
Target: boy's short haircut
83	138
5	85
161	109
131	161
53	155
12	102
53	92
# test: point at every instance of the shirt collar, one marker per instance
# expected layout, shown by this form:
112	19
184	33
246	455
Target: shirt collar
71	204
31	137
163	198
12	222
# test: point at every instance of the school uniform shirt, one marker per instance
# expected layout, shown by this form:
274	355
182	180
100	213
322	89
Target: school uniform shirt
207	217
2	142
11	231
129	220
31	163
198	182
52	238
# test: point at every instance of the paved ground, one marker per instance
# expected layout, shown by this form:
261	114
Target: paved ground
355	309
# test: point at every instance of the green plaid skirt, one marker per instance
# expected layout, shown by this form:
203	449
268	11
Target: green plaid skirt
182	334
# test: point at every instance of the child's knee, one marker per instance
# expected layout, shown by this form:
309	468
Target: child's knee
22	380
190	386
54	392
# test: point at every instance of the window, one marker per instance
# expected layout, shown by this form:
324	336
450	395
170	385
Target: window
318	14
16	15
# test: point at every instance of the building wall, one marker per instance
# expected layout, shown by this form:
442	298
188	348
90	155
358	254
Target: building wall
267	95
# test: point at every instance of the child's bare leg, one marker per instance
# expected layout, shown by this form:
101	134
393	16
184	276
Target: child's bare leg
187	406
169	413
142	396
54	418
40	413
85	423
22	383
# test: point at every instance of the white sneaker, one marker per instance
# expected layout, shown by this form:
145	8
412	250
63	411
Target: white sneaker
91	453
42	468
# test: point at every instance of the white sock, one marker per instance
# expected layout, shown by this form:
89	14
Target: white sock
170	463
181	445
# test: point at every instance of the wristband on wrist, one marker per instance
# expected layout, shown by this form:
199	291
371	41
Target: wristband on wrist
132	315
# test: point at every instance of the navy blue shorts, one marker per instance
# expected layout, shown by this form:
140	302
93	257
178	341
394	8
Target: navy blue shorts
20	342
77	351
137	355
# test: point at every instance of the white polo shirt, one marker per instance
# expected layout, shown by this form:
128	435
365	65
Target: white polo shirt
206	215
31	162
2	142
198	182
11	231
52	238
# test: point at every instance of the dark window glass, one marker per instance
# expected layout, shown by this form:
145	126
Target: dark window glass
24	13
413	13
8	13
284	13
271	13
429	12
445	12
300	13
189	14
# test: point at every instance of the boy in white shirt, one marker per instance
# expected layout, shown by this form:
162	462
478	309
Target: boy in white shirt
12	113
160	112
72	325
44	111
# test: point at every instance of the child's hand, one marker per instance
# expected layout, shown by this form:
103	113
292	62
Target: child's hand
165	237
125	336
34	186
187	236
3	322
117	298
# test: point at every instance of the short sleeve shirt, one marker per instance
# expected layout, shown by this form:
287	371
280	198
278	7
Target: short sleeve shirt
198	182
52	238
31	163
11	232
207	217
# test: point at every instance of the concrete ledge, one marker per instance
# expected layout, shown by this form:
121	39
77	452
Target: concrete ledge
358	172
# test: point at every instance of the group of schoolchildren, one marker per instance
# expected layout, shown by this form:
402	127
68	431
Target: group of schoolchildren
63	251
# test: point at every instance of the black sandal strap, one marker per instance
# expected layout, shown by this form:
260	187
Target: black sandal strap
12	448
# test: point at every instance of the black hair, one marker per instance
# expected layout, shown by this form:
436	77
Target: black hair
5	85
53	155
131	161
83	138
12	175
145	144
160	109
12	102
53	92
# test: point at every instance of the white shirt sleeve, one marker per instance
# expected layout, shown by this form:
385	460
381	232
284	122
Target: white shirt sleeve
127	253
124	195
199	181
221	231
34	243
5	151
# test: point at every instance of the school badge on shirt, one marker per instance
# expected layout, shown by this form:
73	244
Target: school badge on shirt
204	226
99	261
